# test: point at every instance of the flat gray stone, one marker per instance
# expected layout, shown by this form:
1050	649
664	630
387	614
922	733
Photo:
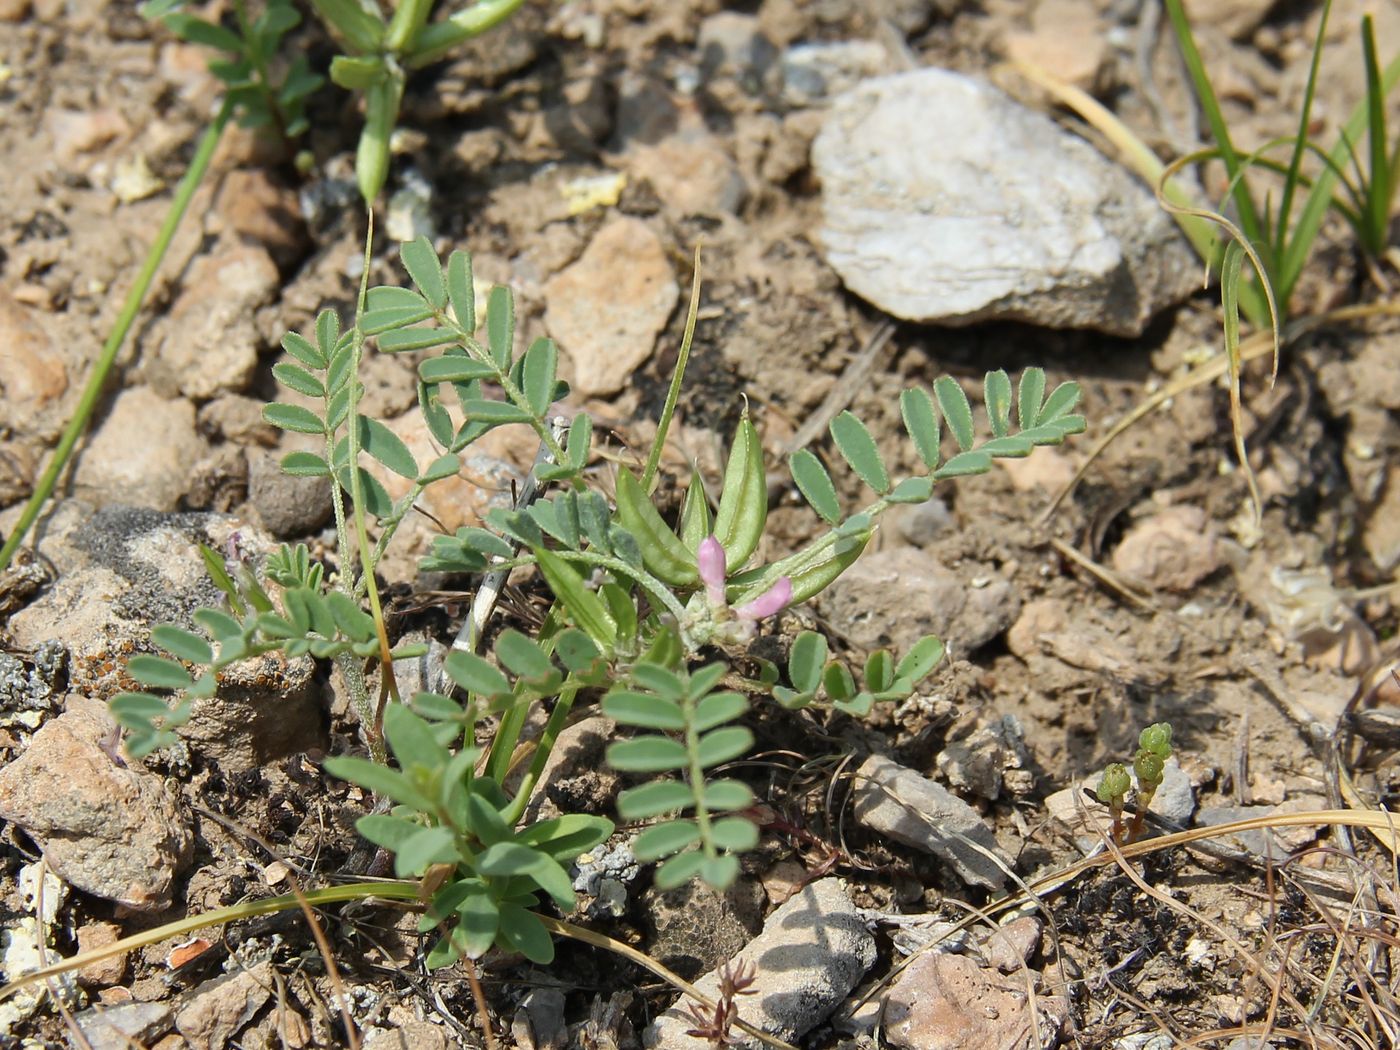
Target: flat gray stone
894	800
117	1027
811	953
947	201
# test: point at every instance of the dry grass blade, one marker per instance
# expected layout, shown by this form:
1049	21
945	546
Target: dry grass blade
332	971
1251	349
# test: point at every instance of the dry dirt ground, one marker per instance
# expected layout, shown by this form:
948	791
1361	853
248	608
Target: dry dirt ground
1148	595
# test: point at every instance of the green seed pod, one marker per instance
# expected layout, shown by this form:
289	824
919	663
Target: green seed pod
695	514
663	554
1113	785
381	114
743	505
810	580
1157	738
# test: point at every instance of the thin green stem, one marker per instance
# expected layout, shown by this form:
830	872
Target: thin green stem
441	37
696	773
388	688
97	378
557	720
677	377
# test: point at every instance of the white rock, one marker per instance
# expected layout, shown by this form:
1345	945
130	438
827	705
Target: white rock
811	953
896	801
947	201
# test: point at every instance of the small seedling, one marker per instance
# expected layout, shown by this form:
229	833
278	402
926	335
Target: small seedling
715	1025
1154	748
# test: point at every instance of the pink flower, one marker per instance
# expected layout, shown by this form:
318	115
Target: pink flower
711	561
769	603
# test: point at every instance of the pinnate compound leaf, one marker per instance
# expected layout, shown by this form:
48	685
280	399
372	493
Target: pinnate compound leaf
647	754
218	623
911	490
454	368
1029	396
735	834
294	377
500	325
964	464
644	709
539	374
524	658
956	410
1060	403
387	447
475	675
184	644
721	795
293	417
305	465
718	708
661	840
496	413
997	397
460	290
815	485
403	340
302	349
921	421
921	659
806	660
159	672
1012	446
445	466
423	267
679	870
377	322
859	449
724	745
651	800
140	708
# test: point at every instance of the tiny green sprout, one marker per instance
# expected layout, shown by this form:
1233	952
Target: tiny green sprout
1157	738
1113	786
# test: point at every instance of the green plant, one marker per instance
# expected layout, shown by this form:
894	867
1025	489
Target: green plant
264	92
381	51
639	608
1154	748
1282	230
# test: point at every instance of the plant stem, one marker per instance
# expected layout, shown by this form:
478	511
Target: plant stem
388	688
677	376
97	378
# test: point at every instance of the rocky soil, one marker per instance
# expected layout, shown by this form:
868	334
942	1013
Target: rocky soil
880	200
